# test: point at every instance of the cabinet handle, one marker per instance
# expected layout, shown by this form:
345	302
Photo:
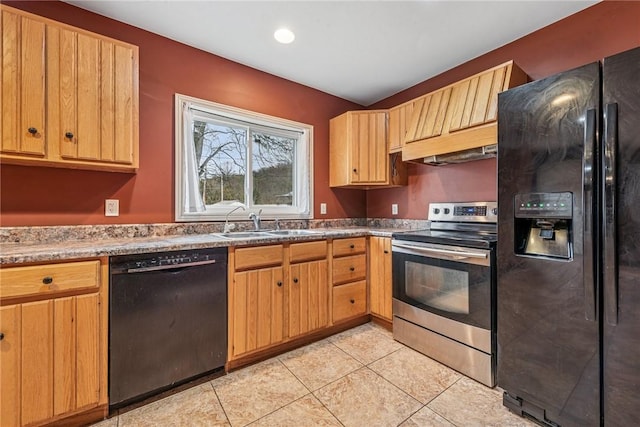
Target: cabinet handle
47	280
32	131
352	269
352	301
279	283
69	135
386	251
295	280
352	246
1	336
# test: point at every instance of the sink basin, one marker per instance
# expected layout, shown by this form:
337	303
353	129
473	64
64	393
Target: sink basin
244	234
293	232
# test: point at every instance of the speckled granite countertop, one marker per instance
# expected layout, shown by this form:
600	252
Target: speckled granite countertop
28	252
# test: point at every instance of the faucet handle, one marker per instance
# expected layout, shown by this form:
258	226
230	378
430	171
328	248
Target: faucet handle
277	221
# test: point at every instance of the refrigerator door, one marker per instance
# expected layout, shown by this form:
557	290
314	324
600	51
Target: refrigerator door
548	333
621	239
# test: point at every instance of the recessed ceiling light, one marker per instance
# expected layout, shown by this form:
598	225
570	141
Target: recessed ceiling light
284	35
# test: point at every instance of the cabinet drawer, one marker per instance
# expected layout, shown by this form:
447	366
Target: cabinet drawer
351	246
261	256
348	269
349	300
307	251
20	281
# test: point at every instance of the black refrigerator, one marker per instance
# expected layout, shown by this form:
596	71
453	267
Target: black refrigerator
568	258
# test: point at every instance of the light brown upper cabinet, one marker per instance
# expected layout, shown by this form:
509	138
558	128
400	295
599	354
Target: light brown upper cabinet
69	97
460	116
399	120
358	152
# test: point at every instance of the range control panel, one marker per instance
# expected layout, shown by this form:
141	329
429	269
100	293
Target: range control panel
466	212
544	205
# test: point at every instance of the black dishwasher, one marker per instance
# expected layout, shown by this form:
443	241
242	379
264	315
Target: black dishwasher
167	321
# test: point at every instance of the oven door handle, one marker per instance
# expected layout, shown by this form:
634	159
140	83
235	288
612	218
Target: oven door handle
448	252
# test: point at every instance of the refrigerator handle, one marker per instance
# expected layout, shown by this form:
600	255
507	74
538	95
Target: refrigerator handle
610	268
587	201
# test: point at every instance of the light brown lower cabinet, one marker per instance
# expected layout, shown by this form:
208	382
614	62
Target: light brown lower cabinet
308	297
276	293
53	347
380	279
257	309
349	300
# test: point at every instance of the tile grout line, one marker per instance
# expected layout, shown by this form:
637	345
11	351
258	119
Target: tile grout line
220	402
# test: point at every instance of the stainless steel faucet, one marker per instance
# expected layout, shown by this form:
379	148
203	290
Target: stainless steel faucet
228	227
256	219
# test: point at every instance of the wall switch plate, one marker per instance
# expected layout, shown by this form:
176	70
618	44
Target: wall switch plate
323	208
112	207
394	209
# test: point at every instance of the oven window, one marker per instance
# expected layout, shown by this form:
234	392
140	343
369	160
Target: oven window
438	287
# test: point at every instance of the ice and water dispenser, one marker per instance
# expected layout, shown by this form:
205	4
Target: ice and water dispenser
543	225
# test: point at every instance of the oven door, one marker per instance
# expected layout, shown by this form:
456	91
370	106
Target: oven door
448	281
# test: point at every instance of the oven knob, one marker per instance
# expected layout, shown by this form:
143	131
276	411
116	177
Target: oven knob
436	211
446	211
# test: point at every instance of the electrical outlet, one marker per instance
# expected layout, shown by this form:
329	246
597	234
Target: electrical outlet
112	207
394	209
323	208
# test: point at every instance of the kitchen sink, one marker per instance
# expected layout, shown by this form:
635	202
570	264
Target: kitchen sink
244	234
294	232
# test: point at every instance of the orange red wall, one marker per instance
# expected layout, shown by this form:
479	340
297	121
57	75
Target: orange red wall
604	29
47	196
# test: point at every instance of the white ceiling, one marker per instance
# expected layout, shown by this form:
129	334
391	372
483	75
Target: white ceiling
363	51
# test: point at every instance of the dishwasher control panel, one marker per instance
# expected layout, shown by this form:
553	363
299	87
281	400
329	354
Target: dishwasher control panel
165	260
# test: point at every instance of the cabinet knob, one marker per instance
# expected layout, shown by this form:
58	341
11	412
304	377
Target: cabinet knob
279	283
68	135
32	131
355	170
47	280
352	269
1	336
295	280
352	246
386	251
352	301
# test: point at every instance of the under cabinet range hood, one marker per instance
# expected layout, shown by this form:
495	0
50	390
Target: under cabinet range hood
458	123
480	153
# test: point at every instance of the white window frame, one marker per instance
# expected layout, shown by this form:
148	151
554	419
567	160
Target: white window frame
303	164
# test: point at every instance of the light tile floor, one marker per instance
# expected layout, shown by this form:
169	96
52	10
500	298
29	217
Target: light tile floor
360	377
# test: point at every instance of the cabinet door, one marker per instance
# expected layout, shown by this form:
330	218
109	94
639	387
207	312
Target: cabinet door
257	309
96	99
10	366
308	297
399	120
23	85
368	133
380	277
37	361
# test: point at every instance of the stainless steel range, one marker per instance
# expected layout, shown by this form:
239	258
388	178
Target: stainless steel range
444	288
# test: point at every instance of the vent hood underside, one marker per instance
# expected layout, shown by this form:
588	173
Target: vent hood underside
480	153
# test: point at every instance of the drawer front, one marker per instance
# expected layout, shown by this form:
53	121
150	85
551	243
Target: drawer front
261	256
348	269
349	300
351	246
36	279
307	251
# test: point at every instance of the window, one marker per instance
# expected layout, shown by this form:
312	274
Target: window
230	158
